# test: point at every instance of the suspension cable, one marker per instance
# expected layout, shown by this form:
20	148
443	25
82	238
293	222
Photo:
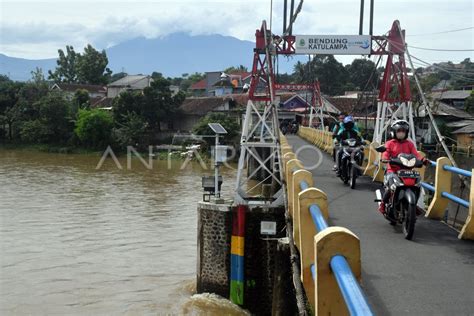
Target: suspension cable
428	110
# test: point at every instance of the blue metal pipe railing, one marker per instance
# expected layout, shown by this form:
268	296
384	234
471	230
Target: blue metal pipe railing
350	289
458	171
448	195
318	218
428	187
455	199
303	185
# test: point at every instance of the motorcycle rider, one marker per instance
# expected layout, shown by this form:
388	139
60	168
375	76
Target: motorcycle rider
348	131
397	145
335	130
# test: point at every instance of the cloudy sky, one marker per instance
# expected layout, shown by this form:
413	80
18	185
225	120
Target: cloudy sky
36	29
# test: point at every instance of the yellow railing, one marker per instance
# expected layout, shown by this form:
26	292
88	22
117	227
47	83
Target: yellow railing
329	256
443	177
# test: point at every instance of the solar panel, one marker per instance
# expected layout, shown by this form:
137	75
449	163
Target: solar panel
217	128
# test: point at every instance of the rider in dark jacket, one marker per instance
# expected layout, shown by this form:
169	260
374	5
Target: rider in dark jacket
349	131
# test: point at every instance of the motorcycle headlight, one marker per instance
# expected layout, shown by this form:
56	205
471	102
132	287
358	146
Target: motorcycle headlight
397	182
351	142
408	162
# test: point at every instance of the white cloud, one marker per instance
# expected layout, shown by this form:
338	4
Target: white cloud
36	29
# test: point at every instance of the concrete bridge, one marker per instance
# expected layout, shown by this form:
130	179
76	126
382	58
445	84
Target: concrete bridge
327	250
431	275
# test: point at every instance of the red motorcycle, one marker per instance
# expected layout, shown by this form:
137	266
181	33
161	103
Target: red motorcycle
404	189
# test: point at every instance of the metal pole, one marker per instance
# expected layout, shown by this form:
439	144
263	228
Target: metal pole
361	19
371	27
285	9
292	9
216	170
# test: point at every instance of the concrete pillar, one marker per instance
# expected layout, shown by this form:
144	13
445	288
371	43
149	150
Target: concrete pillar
213	247
284	295
260	252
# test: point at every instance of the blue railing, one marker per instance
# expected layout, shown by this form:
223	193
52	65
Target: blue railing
455	199
350	289
428	187
458	171
448	195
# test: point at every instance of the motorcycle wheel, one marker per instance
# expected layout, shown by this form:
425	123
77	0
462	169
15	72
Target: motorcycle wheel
409	221
353	176
345	172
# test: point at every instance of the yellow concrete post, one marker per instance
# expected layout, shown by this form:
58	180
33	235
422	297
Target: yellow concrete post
379	173
287	157
370	168
285	148
307	231
366	155
328	243
298	176
442	183
291	166
422	169
467	231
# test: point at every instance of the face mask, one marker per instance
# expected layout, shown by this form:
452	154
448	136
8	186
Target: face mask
401	135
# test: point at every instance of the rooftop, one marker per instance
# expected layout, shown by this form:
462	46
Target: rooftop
451	94
73	87
469	129
128	80
443	109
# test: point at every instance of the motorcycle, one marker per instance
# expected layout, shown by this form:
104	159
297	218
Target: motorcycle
404	192
352	158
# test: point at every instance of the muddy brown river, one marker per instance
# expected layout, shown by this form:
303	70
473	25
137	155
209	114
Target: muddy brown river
75	240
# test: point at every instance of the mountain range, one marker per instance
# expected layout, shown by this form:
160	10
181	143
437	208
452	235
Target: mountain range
171	55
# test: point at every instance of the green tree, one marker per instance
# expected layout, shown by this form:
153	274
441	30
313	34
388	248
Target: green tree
34	131
10	108
467	76
37	76
230	124
362	74
232	69
331	74
131	130
80	100
156	104
66	71
127	102
92	67
52	124
94	127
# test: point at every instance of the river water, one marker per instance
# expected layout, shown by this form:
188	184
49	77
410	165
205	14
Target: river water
76	240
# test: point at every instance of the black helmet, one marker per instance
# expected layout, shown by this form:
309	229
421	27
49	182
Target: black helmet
398	125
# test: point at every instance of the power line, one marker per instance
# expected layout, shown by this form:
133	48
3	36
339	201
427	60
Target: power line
444	70
454	74
443	32
442	50
451	71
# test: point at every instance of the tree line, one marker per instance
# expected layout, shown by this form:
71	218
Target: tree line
32	113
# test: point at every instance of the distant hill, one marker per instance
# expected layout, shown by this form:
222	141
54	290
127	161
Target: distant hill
171	55
20	69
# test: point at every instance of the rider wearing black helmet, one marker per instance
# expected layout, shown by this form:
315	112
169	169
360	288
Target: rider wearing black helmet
399	143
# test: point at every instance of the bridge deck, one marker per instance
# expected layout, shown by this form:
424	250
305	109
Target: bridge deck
431	275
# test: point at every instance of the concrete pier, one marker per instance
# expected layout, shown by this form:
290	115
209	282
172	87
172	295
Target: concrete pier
264	226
